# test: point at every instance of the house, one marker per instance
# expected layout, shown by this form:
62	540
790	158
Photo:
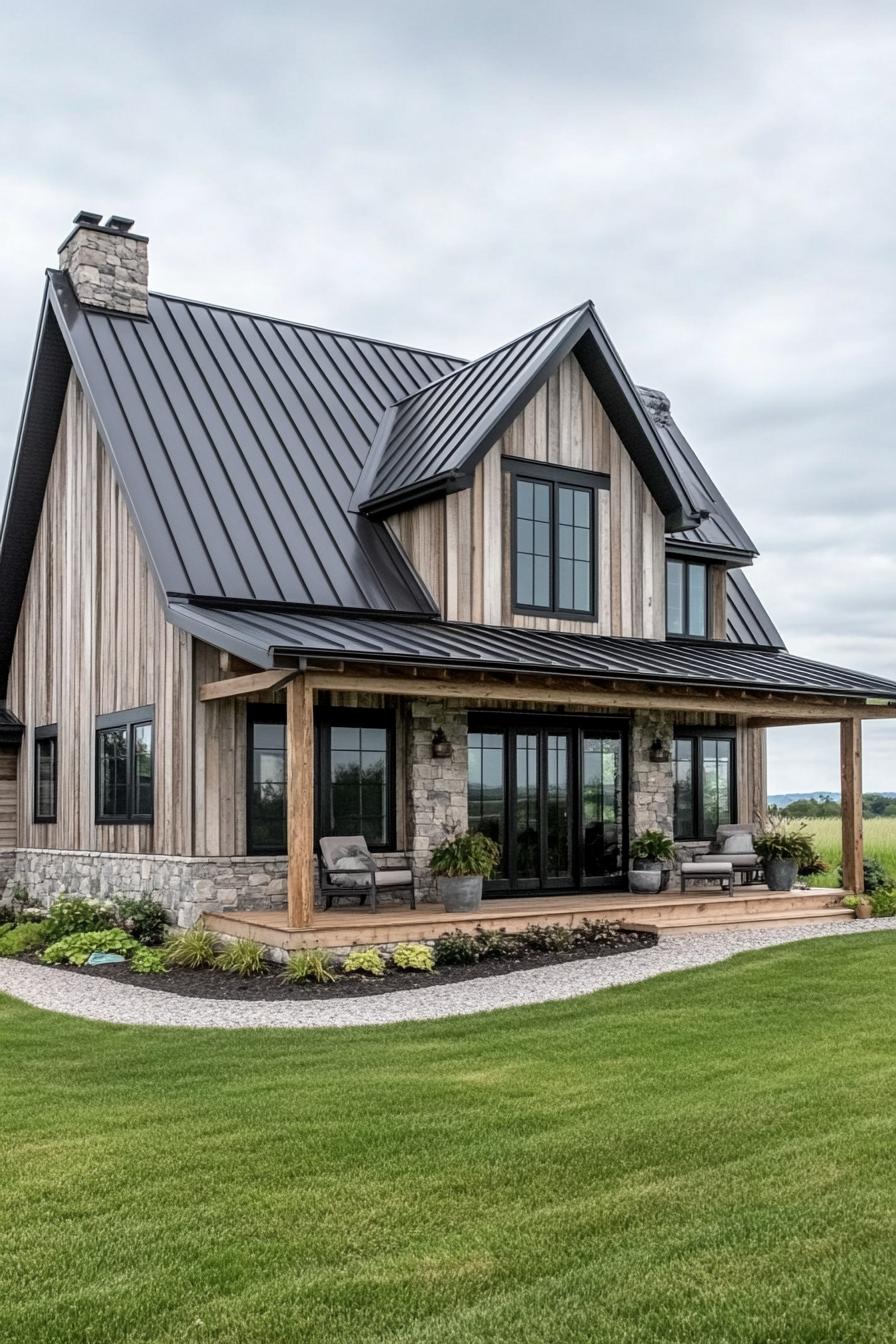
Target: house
502	593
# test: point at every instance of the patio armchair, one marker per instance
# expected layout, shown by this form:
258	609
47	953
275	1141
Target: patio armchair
347	868
734	843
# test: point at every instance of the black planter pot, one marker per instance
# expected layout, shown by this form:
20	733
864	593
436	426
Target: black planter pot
780	874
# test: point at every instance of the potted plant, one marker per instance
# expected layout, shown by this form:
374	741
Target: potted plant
784	849
859	905
651	857
459	864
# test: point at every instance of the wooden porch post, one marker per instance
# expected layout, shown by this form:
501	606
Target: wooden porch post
300	801
851	803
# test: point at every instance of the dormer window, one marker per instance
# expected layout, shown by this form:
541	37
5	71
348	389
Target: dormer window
553	539
686	599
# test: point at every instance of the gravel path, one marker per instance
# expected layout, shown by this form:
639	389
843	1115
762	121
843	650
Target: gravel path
84	996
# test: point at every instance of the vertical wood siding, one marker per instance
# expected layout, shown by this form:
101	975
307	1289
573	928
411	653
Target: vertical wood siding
8	808
460	546
92	638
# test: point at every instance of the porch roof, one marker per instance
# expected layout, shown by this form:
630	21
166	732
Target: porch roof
271	637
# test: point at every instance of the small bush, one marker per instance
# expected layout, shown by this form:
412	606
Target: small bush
496	943
883	903
148	961
22	938
193	948
366	960
313	963
75	948
242	957
876	876
456	949
143	918
413	957
548	938
465	854
76	914
597	931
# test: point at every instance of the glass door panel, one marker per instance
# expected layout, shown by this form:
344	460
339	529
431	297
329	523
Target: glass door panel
602	810
526	812
558	859
486	796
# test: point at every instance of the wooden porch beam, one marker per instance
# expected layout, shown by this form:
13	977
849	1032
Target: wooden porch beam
300	801
550	692
851	804
271	679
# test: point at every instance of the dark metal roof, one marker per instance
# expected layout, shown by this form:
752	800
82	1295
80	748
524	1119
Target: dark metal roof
266	637
430	441
238	441
11	728
748	620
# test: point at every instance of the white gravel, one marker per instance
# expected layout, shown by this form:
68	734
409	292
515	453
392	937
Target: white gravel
106	1001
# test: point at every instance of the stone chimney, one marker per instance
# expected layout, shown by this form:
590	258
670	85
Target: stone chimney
107	264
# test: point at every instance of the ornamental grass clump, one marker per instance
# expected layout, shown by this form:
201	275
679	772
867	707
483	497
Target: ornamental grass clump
366	961
192	949
311	963
413	957
242	957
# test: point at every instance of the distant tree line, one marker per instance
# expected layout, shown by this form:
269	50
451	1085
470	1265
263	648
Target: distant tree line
873	805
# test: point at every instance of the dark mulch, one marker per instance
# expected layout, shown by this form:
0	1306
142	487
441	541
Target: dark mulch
212	984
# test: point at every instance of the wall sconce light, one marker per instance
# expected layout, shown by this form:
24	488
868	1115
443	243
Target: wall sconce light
441	747
659	752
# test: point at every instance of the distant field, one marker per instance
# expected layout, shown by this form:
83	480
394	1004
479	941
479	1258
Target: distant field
880	843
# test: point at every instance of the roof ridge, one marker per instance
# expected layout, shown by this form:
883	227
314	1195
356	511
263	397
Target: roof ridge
461	360
514	340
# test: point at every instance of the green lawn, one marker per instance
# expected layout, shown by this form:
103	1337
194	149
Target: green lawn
706	1157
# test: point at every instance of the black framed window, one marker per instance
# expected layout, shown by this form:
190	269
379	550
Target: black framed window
46	769
687	603
356	775
124	765
704	775
266	780
554	538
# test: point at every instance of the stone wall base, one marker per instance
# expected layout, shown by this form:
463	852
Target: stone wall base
186	887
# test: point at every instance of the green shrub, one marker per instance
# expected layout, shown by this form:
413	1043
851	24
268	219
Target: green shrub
312	963
467	854
883	902
22	938
193	948
548	938
143	918
148	961
598	931
76	914
366	960
242	957
876	876
851	902
496	943
654	846
456	949
75	948
413	957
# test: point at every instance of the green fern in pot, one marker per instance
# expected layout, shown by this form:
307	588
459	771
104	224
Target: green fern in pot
459	865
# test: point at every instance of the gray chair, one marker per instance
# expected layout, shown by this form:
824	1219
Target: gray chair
348	869
734	842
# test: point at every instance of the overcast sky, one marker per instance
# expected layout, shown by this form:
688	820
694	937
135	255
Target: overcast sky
717	176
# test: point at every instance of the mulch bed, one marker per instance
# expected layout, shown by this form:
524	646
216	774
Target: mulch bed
212	984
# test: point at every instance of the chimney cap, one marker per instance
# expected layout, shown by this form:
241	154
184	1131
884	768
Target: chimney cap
88	217
119	223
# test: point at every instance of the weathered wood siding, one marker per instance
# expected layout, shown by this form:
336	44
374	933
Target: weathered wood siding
8	805
460	546
92	638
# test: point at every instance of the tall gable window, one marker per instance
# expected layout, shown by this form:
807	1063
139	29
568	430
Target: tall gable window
553	539
45	772
124	766
686	599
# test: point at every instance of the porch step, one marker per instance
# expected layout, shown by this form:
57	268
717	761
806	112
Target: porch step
741	919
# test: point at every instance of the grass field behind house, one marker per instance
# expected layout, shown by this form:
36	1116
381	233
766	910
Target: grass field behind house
708	1156
880	843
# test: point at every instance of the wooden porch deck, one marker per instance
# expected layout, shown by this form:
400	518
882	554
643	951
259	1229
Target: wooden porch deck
694	912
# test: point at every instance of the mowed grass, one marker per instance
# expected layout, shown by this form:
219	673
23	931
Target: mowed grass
709	1156
880	843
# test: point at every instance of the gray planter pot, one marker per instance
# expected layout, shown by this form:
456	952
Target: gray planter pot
458	894
648	865
645	881
780	874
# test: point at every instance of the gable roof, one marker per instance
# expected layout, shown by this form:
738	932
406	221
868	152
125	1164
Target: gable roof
748	620
429	443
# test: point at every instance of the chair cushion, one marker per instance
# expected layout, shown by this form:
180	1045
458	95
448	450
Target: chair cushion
737	842
336	847
707	867
394	877
353	870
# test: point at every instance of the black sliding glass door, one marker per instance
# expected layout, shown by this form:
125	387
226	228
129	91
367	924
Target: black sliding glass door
552	795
